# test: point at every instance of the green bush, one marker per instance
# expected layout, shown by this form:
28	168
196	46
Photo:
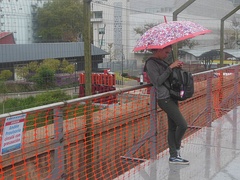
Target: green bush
124	74
44	78
3	87
5	74
51	97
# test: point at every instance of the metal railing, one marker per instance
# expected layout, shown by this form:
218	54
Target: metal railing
53	139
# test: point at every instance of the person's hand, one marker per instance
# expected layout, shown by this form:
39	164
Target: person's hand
176	63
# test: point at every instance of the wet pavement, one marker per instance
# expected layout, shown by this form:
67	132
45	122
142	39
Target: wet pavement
213	152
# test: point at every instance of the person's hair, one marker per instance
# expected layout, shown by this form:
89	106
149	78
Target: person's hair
154	50
170	46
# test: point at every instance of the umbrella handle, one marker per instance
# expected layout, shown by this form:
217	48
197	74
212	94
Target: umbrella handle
173	59
165	19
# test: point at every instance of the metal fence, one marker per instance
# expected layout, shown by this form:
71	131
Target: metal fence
95	137
83	138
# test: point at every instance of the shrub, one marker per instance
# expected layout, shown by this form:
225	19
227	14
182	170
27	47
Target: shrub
51	97
124	74
44	78
5	74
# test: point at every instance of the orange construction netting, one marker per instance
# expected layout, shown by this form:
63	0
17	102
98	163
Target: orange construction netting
95	139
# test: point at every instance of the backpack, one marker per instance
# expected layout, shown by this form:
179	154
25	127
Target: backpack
181	82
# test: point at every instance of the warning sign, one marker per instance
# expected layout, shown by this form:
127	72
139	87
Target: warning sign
12	134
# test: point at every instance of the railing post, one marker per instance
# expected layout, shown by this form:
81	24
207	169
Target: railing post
150	135
58	171
236	79
209	107
153	124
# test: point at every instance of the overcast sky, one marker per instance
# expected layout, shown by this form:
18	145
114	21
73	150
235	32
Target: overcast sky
208	8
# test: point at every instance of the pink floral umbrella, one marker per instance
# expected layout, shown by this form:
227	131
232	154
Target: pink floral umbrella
168	33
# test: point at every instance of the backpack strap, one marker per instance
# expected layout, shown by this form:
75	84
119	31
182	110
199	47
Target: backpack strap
162	63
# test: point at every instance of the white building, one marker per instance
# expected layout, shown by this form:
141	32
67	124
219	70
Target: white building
110	27
114	21
16	17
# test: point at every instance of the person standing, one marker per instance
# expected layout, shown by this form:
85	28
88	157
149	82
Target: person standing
177	125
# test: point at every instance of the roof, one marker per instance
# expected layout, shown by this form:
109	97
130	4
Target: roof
6	38
233	52
200	52
39	51
194	52
4	34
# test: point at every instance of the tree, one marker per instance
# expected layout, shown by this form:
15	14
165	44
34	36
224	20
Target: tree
187	43
59	21
111	55
232	35
208	57
142	30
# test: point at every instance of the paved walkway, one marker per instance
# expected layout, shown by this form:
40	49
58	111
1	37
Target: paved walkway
213	152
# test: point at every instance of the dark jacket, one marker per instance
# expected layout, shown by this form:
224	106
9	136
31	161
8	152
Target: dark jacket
158	74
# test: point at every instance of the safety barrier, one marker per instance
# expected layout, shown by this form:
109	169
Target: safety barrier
81	139
101	82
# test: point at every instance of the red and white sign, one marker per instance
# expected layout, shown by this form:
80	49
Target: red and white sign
12	134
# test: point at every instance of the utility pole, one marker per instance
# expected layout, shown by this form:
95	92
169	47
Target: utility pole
88	90
87	47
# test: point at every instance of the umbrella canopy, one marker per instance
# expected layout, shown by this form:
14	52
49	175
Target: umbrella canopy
168	33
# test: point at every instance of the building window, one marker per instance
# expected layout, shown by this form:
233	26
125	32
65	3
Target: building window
101	30
97	14
101	42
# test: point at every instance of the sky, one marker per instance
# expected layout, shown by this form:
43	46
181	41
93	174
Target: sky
208	8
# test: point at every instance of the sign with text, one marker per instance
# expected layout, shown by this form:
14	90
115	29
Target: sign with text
12	134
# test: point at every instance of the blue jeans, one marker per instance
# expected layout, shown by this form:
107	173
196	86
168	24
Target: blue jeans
177	124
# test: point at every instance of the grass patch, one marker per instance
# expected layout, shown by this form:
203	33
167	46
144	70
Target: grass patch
46	117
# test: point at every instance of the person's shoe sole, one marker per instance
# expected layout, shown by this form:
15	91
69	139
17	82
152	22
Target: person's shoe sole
181	163
178	160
